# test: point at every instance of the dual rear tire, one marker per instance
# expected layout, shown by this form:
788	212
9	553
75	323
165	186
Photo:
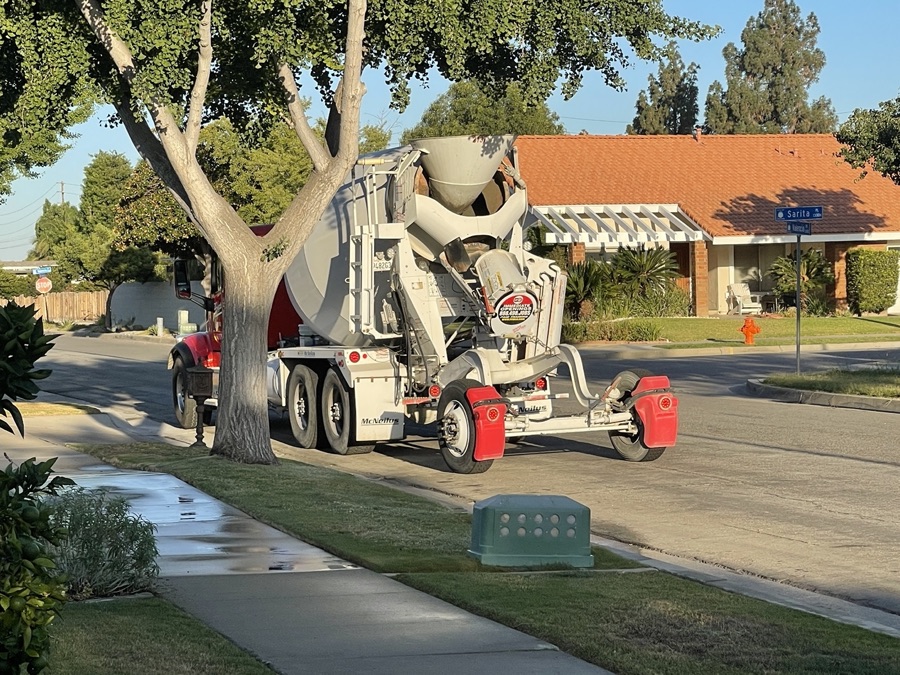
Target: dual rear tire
321	411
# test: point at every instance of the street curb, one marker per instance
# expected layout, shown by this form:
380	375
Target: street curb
822	398
139	337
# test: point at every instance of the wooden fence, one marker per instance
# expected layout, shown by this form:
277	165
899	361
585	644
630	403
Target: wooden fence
63	307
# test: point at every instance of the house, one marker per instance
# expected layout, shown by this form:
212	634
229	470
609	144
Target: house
710	199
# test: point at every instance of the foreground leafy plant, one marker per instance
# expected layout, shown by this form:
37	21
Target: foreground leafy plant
31	590
24	342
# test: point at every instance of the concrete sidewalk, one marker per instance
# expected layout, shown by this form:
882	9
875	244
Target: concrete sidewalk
296	607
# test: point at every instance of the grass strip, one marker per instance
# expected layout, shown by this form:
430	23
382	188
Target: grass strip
45	409
662	624
881	382
629	623
359	520
142	636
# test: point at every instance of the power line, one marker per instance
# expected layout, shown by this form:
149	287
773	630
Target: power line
9	213
5	234
21	218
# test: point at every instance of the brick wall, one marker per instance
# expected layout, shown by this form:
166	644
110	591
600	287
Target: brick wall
700	277
575	253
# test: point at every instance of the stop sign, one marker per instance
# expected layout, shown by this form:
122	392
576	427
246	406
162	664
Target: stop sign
43	285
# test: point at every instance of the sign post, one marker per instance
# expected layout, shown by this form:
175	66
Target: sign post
796	217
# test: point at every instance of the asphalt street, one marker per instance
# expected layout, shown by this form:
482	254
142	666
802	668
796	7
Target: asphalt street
797	493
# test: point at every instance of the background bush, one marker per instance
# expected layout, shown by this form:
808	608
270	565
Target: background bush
815	273
626	330
871	279
107	551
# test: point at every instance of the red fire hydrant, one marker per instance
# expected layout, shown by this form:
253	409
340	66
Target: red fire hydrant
749	329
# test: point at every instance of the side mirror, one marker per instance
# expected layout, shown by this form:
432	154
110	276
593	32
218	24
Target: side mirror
182	280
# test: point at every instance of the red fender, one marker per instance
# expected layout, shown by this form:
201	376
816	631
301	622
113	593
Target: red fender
657	409
489	413
204	348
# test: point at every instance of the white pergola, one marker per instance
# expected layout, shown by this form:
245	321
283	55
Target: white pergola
617	225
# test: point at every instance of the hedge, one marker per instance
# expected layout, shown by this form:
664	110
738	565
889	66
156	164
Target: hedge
871	279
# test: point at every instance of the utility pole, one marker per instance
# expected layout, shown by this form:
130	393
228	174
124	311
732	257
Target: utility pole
62	193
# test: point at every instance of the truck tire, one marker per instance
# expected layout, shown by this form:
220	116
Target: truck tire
456	429
303	406
631	447
338	416
185	407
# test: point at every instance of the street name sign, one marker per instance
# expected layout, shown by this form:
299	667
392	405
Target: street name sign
784	214
41	270
799	228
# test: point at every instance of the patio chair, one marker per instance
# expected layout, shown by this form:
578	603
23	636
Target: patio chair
742	301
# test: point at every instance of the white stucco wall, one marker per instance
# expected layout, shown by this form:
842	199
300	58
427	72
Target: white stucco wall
140	304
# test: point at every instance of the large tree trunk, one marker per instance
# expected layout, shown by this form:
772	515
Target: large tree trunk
108	320
242	429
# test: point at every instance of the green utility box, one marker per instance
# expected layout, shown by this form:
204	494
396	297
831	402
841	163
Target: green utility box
531	530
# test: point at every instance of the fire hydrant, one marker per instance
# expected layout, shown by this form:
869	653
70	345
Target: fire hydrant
749	329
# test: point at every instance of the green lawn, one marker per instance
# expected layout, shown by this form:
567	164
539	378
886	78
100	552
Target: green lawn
780	330
646	622
882	382
145	636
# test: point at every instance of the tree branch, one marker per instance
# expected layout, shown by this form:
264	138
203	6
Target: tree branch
150	148
299	120
115	47
201	82
351	89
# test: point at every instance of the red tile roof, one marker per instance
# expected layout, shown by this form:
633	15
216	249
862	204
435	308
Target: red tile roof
729	185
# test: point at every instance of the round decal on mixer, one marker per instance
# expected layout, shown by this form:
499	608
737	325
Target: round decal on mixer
515	308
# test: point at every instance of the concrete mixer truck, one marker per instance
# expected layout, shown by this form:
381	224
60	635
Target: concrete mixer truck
416	300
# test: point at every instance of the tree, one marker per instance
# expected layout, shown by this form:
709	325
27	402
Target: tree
102	189
872	139
167	68
669	105
768	80
58	222
465	108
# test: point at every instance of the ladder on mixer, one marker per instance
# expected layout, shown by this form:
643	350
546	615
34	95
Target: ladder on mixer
375	226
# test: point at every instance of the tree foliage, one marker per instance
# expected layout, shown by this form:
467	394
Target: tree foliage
169	68
669	104
767	81
465	109
57	223
872	139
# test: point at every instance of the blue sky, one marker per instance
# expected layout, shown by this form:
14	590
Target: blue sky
858	38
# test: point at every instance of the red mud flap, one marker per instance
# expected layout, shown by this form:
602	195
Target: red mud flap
657	408
489	413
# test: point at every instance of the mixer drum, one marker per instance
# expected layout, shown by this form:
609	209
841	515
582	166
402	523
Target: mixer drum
317	280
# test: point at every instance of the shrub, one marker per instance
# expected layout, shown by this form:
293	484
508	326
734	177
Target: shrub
815	272
107	551
871	279
31	590
667	301
582	286
641	271
628	330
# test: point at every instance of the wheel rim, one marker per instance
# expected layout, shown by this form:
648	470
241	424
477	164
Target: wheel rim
335	416
455	429
301	407
180	391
